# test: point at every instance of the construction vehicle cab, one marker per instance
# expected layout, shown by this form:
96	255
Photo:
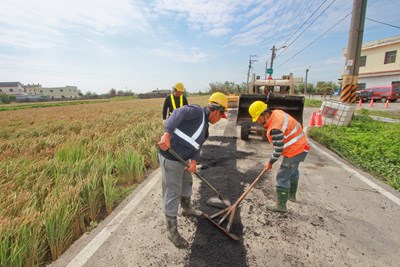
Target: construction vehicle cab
277	94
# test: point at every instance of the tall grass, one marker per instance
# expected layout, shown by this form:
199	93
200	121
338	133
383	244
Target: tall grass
63	168
59	215
129	166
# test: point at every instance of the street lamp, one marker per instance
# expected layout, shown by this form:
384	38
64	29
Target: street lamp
273	56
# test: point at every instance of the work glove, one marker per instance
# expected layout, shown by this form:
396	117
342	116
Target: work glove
192	166
165	141
267	166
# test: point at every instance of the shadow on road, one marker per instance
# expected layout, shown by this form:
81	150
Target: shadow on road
211	246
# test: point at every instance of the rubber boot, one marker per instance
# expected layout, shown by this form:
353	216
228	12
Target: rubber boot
281	198
173	234
293	191
187	209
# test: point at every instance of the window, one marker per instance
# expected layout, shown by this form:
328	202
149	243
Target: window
390	57
361	86
61	90
11	90
363	61
1	90
396	86
51	91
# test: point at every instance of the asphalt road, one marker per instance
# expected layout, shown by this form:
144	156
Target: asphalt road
344	217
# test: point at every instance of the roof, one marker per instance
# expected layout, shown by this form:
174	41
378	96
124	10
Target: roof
10	84
381	42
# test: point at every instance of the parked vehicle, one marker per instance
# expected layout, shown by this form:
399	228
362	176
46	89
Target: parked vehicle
380	93
363	95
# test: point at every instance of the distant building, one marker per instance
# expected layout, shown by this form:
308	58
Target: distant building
379	62
16	88
11	88
32	88
67	92
155	94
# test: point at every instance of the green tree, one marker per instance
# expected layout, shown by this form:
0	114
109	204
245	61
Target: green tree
325	88
227	87
112	92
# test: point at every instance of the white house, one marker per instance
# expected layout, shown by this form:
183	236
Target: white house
379	62
11	88
66	92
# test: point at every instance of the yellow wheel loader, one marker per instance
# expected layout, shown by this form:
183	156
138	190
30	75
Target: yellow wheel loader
233	100
277	94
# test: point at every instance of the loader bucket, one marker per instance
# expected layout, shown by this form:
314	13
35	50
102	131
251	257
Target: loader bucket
293	105
233	100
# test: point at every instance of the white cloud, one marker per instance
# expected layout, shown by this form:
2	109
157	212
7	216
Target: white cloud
45	23
213	17
194	56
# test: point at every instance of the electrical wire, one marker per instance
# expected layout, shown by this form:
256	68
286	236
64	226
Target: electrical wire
306	28
315	39
305	22
383	23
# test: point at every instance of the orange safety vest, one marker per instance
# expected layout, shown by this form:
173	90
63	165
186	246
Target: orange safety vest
294	140
173	101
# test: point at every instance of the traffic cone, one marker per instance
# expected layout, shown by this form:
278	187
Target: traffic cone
312	121
387	104
360	103
371	104
318	120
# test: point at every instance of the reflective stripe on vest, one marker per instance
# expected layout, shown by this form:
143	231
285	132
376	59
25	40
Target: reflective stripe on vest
294	137
294	131
191	139
294	140
173	101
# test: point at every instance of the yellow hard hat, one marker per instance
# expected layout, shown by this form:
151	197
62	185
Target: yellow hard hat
256	108
179	87
219	99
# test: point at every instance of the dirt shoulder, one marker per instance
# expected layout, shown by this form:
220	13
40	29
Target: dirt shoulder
339	220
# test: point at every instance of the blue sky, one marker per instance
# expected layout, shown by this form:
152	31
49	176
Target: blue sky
144	45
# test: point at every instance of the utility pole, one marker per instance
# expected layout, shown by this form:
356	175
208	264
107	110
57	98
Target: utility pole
266	67
273	56
305	84
251	61
351	70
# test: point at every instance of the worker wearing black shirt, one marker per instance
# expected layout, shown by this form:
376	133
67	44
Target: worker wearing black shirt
174	100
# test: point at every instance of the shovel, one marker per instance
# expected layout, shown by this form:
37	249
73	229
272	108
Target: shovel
230	211
219	202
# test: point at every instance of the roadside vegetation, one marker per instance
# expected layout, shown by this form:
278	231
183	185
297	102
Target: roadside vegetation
394	114
369	144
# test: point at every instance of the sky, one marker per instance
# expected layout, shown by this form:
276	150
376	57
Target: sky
144	45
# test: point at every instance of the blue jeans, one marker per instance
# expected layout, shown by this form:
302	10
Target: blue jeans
289	171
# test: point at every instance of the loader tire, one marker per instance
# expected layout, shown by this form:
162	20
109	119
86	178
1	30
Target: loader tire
244	132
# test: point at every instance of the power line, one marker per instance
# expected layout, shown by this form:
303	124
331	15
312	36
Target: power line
316	39
274	35
307	28
306	21
383	23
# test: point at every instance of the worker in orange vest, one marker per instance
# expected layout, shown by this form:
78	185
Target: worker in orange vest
288	139
174	100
